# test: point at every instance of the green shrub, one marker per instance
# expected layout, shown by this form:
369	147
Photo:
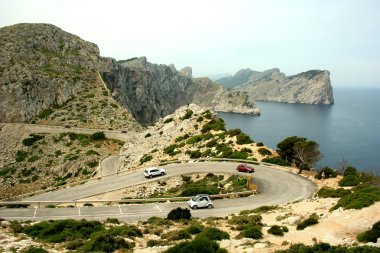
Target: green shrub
168	120
370	235
327	248
88	204
125	231
33	158
248	150
312	220
16	227
242	138
97	136
239	155
264	151
176	235
7	171
148	135
251	220
105	242
92	164
187	115
211	143
21	155
152	243
33	138
195	154
276	160
195	228
200	119
328	173
327	192
50	206
32	249
350	171
359	198
277	230
44	114
349	180
179	213
145	158
62	230
170	149
253	232
91	152
200	189
181	138
259	144
105	93
112	221
215	125
194	139
259	210
198	245
213	234
157	221
233	132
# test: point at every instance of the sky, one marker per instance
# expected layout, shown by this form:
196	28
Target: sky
223	36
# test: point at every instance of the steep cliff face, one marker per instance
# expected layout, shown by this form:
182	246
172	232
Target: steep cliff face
241	77
152	91
41	66
311	87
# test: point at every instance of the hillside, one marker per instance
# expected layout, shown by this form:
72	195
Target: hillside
310	87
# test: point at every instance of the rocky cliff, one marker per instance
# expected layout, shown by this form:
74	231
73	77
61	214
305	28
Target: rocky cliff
152	91
311	87
41	66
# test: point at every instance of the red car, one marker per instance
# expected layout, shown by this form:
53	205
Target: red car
245	168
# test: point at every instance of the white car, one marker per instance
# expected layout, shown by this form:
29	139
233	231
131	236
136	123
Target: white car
154	171
200	201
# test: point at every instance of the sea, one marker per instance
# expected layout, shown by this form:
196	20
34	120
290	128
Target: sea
348	132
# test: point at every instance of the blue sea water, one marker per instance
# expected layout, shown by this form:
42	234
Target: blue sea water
347	131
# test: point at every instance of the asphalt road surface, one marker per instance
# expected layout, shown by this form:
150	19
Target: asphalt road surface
275	188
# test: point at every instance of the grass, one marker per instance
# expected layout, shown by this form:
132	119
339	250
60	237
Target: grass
259	210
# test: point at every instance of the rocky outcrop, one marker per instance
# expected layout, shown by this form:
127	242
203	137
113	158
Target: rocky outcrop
241	77
41	66
311	87
152	91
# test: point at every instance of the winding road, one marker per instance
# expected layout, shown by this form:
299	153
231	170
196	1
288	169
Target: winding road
276	187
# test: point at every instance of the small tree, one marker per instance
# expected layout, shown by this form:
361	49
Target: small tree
306	154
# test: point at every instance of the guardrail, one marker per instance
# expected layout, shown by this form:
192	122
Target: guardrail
121	201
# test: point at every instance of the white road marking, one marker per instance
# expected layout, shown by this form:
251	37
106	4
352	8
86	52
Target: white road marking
35	212
158	208
79	210
121	212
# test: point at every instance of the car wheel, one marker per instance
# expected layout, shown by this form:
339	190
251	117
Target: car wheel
210	206
162	173
195	207
150	176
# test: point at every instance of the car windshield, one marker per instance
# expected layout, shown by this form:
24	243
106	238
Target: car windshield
195	198
146	171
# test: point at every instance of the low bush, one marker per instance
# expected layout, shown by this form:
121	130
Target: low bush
187	115
259	210
105	242
325	247
200	119
259	144
195	228
276	160
242	138
370	235
179	213
16	227
32	249
153	243
215	125
197	189
312	220
233	132
239	155
176	235
251	220
44	114
157	221
253	232
21	155
213	234
97	136
278	230
112	221
194	139
33	138
181	138
195	154
125	231
264	151
359	198
62	230
350	171
199	245
327	192
148	135
349	180
168	120
146	158
327	172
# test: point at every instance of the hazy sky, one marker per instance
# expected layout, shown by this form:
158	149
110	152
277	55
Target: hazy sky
214	37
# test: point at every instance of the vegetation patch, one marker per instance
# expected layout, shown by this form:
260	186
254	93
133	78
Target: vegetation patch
179	214
33	138
370	235
187	115
259	210
276	160
359	198
264	151
199	245
327	192
312	220
215	125
325	247
145	158
213	234
327	173
278	230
